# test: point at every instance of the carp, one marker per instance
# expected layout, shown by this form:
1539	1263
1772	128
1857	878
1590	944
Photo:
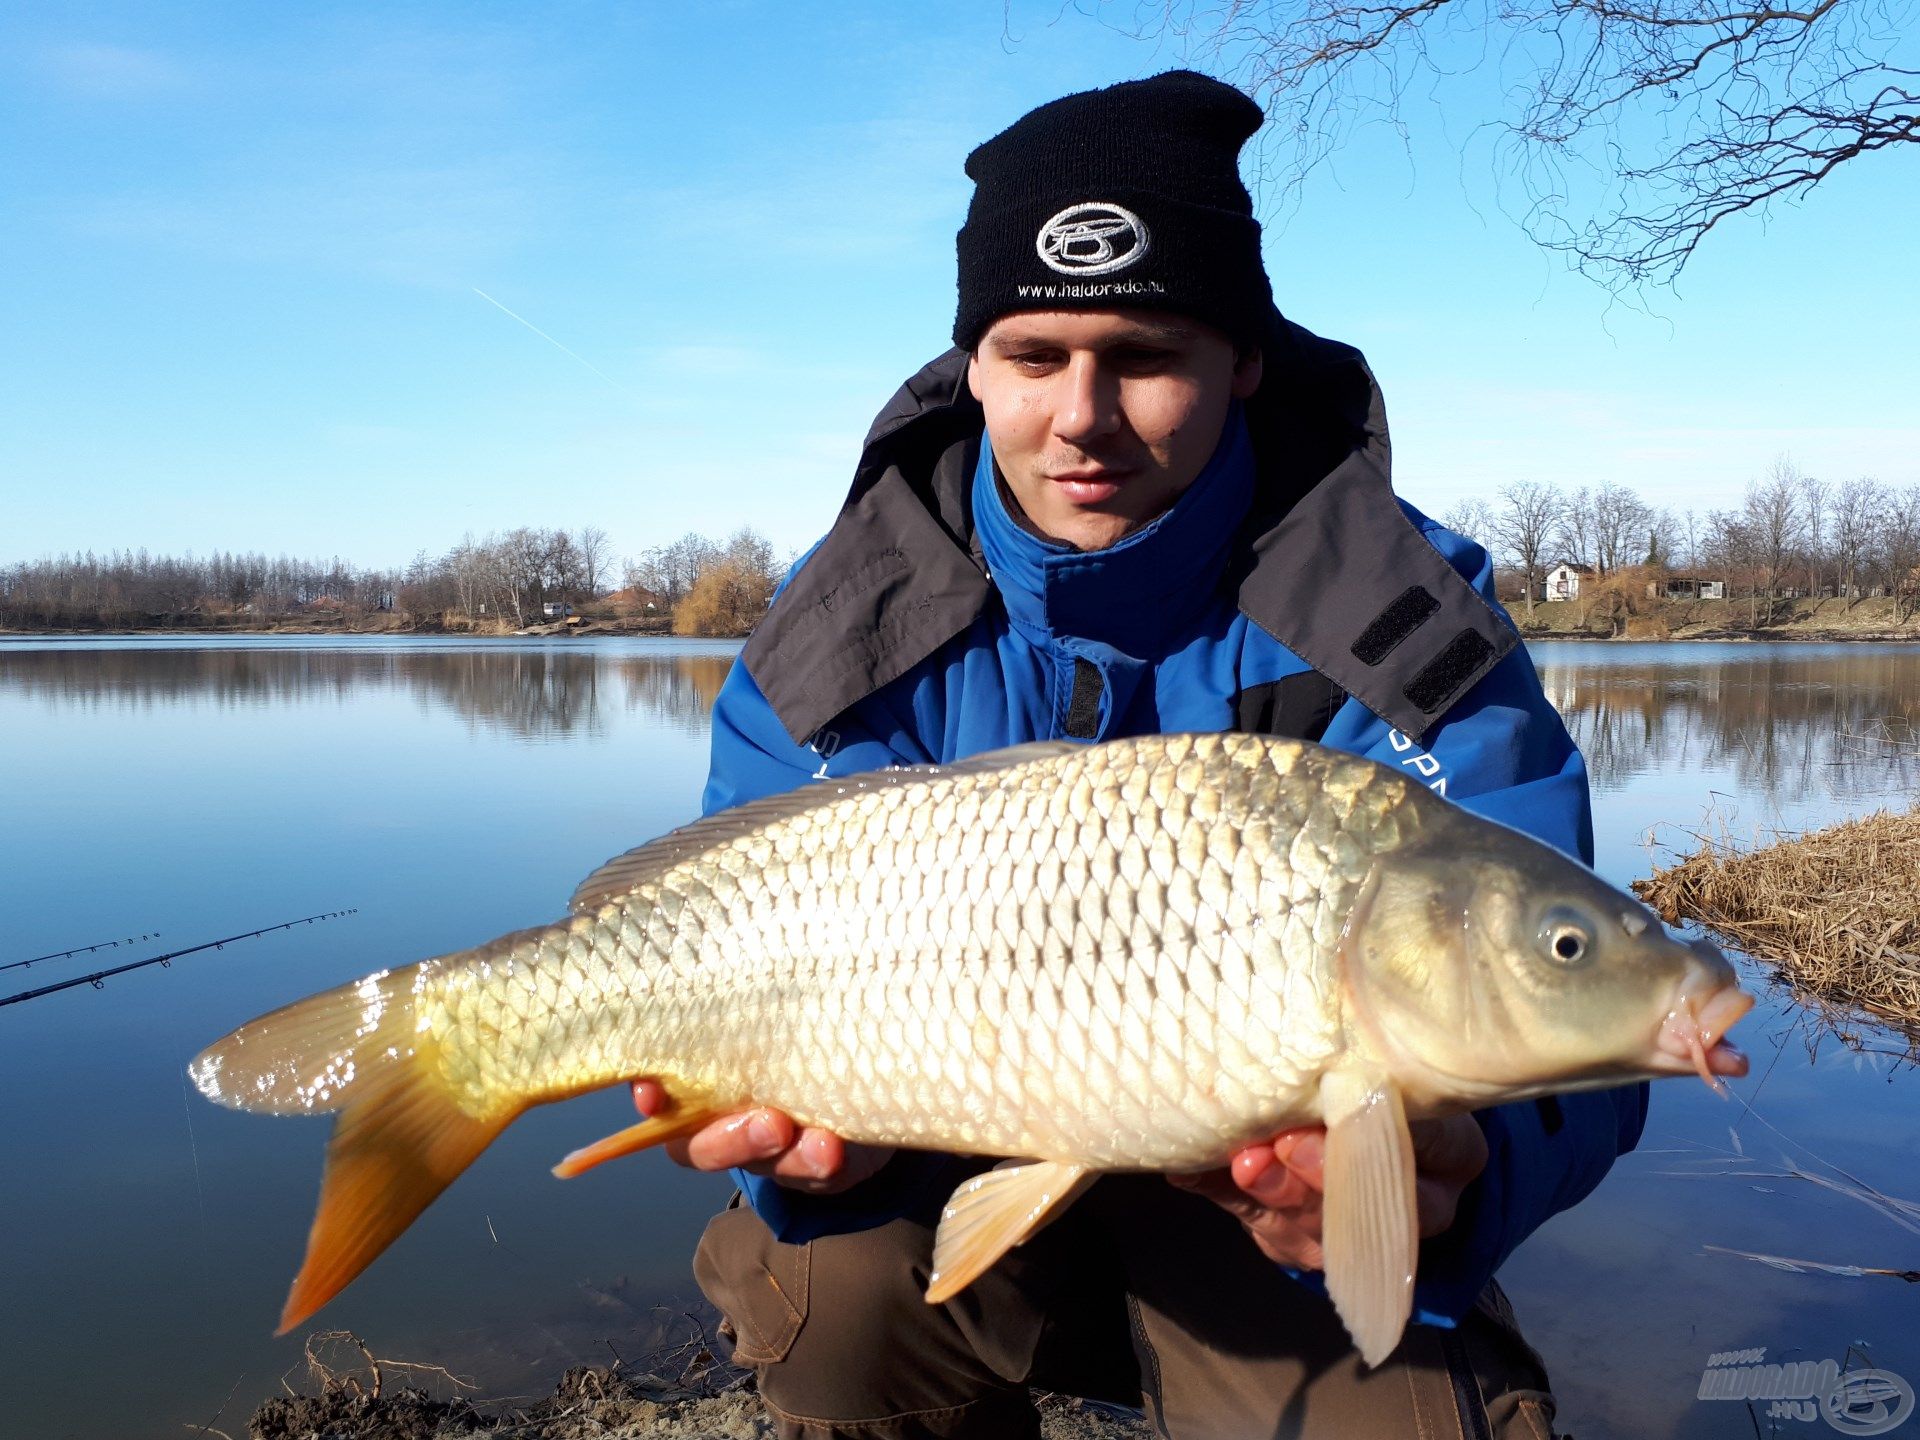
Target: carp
1138	955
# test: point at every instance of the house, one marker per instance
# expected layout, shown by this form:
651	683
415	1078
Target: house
1677	586
1564	580
634	600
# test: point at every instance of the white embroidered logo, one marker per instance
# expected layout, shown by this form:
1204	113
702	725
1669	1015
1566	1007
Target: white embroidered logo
1095	238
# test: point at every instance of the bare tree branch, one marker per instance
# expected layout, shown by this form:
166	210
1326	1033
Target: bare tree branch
1637	127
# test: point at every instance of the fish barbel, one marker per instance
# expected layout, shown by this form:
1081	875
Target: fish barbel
1132	956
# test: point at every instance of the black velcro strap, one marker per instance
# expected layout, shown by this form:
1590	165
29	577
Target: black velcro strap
1551	1117
1083	709
1407	612
1443	675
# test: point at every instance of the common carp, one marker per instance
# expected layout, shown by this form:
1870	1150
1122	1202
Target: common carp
1132	956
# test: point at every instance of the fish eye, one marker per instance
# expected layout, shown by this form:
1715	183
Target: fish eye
1567	939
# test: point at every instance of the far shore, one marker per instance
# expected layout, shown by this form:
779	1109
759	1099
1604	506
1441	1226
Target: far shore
1804	620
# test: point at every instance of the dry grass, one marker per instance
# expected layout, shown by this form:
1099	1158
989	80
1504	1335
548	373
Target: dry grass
1836	910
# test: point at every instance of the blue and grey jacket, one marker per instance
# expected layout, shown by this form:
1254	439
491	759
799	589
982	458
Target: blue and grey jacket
1287	592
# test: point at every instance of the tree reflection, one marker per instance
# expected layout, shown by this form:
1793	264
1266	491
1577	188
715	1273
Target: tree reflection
539	693
1787	723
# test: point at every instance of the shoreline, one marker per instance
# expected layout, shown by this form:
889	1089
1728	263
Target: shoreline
1779	635
1821	622
595	1403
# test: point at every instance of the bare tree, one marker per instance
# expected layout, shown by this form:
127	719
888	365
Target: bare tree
1525	525
1897	548
596	560
1472	518
1772	518
1856	503
1686	530
1620	521
671	571
1727	546
1575	534
1637	127
1815	498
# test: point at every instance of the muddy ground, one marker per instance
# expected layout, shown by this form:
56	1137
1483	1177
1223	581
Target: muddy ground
604	1404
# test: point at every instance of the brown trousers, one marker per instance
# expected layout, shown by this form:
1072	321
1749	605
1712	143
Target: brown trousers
1140	1290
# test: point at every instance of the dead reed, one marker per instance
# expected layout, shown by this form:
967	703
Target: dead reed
1837	911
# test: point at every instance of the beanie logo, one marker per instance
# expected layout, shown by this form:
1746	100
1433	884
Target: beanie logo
1094	238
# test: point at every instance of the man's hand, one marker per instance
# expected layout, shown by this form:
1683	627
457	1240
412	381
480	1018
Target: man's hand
1275	1189
766	1142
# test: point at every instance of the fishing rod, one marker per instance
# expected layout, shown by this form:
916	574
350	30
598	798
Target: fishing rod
99	977
80	950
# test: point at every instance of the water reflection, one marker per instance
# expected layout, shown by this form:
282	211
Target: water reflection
535	693
1785	721
453	790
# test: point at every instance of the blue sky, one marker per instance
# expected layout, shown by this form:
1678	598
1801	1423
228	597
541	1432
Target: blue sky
245	249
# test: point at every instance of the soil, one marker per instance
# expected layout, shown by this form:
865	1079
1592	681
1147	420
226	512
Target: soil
604	1404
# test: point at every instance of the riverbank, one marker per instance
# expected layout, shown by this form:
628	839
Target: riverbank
1793	620
1826	620
1831	910
190	625
600	1404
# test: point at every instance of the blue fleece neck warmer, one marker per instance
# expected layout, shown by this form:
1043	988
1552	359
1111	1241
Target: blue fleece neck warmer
1140	595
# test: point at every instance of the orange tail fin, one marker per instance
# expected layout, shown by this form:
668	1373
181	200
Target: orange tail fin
391	1154
402	1135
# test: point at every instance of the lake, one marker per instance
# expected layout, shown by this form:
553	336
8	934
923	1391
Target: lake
449	790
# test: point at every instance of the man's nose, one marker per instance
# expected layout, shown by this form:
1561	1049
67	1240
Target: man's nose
1088	404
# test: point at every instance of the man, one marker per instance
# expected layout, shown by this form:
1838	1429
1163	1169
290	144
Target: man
1133	499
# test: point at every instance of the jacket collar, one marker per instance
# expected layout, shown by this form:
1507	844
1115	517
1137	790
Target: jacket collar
1325	561
1139	596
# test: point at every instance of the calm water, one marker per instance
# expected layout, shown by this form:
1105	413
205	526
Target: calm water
453	790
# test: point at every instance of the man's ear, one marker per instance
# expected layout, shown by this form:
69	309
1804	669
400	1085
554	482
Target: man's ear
1248	367
973	374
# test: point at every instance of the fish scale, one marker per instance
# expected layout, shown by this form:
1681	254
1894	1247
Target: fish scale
765	921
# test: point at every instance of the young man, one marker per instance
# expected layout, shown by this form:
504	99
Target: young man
1133	499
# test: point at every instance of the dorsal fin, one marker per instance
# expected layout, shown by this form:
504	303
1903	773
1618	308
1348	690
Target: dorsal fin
627	872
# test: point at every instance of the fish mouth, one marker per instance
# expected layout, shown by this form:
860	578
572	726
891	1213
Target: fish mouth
1692	1037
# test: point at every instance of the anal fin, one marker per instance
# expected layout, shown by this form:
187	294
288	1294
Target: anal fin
991	1213
679	1118
1370	1230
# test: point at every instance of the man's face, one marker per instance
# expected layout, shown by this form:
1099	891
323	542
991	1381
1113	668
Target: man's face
1101	419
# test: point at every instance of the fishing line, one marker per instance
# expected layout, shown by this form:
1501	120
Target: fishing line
99	977
81	950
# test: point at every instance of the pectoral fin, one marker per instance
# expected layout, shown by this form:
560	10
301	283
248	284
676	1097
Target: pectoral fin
991	1213
1370	1228
681	1117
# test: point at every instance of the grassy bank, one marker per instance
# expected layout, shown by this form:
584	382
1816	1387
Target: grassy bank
604	1404
1873	619
1832	910
384	622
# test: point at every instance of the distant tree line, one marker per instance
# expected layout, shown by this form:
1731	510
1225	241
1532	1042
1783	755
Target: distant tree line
1793	534
507	579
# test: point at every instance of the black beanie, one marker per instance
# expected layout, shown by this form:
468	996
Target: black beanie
1127	196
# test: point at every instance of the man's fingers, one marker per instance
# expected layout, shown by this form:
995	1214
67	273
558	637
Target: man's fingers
1453	1149
814	1155
649	1097
1304	1153
1447	1155
742	1141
